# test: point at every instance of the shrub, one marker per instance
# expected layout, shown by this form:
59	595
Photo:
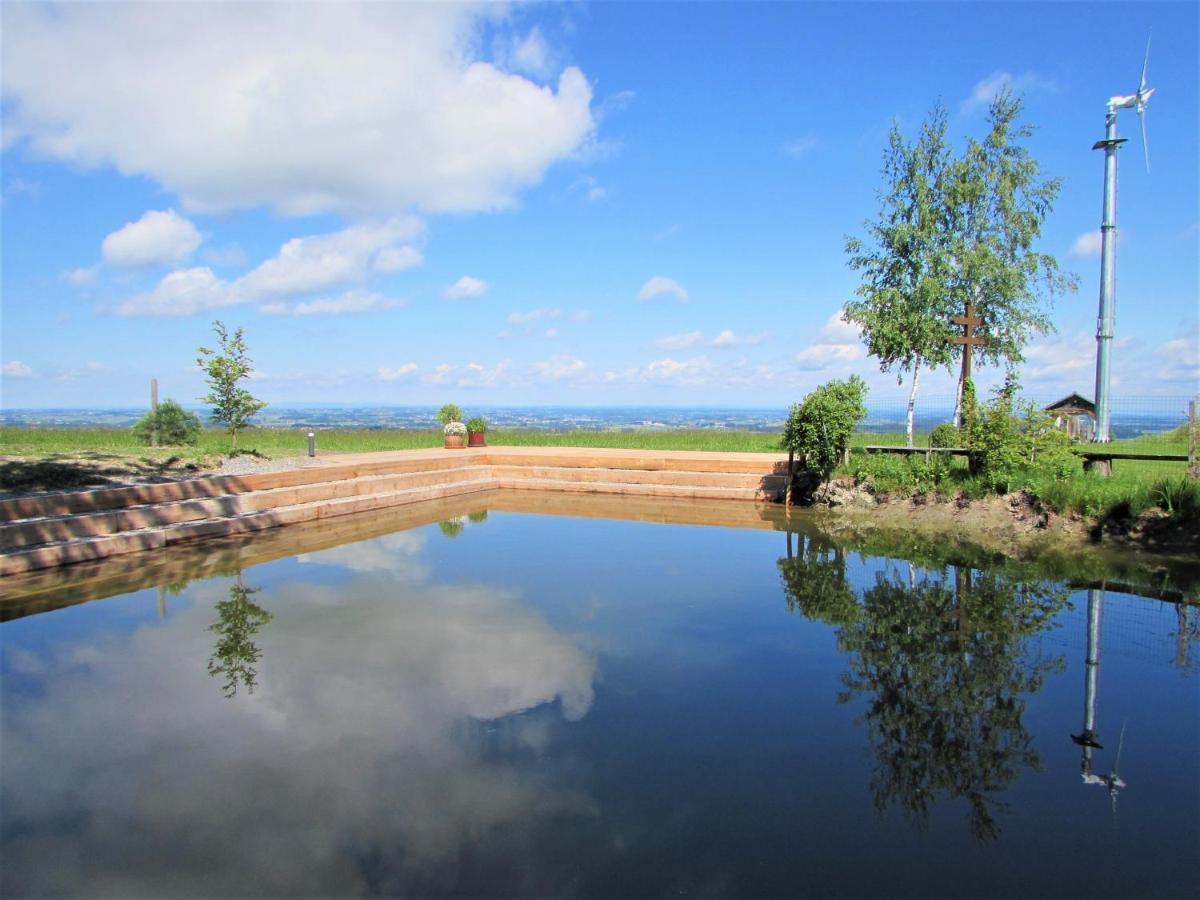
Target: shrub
1015	447
945	435
818	428
174	424
450	413
476	425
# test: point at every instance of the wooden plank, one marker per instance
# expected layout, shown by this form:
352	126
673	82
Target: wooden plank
1152	457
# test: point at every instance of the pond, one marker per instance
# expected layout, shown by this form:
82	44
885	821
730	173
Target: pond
508	702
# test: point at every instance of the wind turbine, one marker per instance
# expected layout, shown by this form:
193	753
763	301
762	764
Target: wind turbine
1108	240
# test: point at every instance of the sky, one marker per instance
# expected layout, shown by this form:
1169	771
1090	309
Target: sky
608	204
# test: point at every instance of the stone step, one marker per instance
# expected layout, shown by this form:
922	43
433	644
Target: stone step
640	476
30	532
635	489
66	552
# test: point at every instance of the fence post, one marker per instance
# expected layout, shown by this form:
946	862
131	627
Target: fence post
153	412
1193	470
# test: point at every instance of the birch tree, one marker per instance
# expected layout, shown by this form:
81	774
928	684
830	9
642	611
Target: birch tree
904	300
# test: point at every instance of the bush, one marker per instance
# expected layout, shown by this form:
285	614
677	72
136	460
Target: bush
174	424
450	413
477	426
945	435
1015	448
818	429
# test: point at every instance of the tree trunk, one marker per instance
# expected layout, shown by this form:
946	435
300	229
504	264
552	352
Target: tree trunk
787	479
958	404
912	402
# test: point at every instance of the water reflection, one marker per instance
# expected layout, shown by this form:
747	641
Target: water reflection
942	661
234	657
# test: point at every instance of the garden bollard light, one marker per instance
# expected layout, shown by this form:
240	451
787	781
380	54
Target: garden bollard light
312	444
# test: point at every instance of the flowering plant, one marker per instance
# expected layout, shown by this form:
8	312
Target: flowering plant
455	428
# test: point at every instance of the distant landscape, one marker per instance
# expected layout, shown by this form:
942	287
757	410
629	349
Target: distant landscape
1138	417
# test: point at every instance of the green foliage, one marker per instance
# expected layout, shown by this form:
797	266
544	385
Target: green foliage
235	655
1017	447
944	668
452	528
997	204
945	435
171	424
814	582
450	413
477	518
224	368
476	425
818	429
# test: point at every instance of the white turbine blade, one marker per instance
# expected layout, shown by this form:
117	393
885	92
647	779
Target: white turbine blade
1145	143
1146	62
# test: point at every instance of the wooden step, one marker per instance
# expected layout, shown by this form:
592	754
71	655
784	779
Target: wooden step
695	492
640	476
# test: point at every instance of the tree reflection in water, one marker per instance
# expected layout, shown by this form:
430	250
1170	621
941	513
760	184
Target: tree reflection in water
235	654
945	668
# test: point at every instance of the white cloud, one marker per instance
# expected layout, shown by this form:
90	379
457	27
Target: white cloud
157	237
87	370
800	146
466	288
694	371
836	342
560	368
680	341
591	188
183	292
349	302
581	315
1091	242
397	259
319	262
397	374
986	90
472	375
728	338
15	369
1067	360
230	256
304	108
533	315
529	54
660	286
551	332
80	277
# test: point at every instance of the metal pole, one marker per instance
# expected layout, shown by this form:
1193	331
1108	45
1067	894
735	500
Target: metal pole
1108	276
1091	676
312	444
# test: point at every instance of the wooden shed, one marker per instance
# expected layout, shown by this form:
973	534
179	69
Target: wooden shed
1074	414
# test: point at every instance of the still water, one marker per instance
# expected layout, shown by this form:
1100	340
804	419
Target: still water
518	704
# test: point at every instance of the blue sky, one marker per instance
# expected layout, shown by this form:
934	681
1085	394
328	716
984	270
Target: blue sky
610	203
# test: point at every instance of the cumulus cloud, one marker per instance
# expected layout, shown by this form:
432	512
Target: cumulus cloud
229	256
836	342
727	338
694	371
987	89
16	369
303	267
80	277
560	368
471	375
660	286
527	53
397	374
349	302
680	341
183	292
304	108
1090	243
308	264
533	315
158	237
1066	360
466	288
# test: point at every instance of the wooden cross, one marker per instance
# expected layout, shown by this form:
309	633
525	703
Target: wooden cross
968	338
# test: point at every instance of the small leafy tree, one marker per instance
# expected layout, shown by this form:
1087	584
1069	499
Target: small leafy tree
1016	446
232	405
818	428
172	423
451	412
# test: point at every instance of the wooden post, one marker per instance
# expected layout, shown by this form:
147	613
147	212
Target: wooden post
968	339
154	412
1193	469
787	479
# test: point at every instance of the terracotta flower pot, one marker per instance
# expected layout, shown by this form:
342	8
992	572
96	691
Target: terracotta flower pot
454	442
477	439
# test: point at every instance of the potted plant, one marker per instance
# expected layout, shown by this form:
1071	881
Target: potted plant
476	431
455	435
